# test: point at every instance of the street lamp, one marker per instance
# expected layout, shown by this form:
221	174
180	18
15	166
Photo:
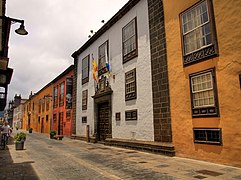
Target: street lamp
21	30
5	71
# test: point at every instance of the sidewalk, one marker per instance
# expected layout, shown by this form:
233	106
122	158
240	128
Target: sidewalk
80	160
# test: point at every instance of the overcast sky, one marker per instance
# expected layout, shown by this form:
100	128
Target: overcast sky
56	29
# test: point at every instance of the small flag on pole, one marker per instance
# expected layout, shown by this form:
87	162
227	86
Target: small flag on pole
107	63
94	69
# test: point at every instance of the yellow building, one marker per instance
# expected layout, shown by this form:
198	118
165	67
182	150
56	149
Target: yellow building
203	40
38	110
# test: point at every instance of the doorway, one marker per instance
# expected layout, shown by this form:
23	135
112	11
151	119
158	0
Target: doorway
103	121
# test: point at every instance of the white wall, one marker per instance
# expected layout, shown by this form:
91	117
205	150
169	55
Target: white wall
142	129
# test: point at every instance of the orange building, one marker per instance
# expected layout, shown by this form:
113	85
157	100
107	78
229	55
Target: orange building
38	110
204	65
62	102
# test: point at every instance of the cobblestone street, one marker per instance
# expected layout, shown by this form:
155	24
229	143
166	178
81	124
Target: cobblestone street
44	158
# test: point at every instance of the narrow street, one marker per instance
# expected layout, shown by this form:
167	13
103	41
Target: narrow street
44	158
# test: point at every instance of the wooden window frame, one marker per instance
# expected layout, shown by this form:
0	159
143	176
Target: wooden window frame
118	116
205	111
205	52
240	81
103	69
206	140
55	97
132	95
84	119
61	96
133	115
84	99
43	104
85	79
68	115
39	106
134	53
55	117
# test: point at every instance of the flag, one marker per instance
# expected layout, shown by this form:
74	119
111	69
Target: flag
94	69
107	63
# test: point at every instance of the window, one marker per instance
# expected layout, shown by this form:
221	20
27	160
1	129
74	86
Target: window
84	99
47	118
203	93
131	115
84	119
68	115
33	106
130	85
61	97
118	116
85	69
55	96
129	41
39	106
240	80
55	117
103	58
47	103
198	33
43	105
210	136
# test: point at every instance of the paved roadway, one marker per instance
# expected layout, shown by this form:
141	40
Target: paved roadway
44	158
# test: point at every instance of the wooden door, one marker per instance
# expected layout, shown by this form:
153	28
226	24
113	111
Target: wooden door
103	121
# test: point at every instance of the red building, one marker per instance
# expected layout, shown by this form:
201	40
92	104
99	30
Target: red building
62	102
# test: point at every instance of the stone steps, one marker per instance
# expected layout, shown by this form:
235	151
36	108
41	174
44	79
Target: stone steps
154	147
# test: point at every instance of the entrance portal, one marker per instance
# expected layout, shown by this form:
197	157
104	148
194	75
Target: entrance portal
103	121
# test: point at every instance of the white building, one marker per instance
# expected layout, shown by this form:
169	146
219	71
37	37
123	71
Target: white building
123	106
17	115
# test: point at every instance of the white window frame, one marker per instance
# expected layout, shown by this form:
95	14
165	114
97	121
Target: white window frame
203	90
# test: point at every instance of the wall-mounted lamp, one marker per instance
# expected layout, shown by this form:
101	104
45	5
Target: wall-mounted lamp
21	30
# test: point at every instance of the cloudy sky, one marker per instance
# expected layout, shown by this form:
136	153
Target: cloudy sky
56	29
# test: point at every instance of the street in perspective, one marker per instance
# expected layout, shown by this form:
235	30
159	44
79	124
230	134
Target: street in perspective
45	158
123	89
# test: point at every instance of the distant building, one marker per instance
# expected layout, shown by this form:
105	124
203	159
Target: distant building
51	107
11	106
17	115
62	102
37	110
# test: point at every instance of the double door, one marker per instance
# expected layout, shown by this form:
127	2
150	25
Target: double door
103	121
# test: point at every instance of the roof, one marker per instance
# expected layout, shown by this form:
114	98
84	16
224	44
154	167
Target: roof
70	68
54	80
126	8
